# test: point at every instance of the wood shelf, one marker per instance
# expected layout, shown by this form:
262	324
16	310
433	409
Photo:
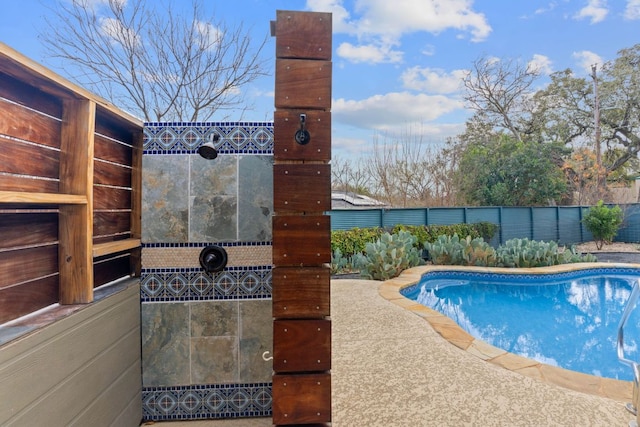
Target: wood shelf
107	248
42	198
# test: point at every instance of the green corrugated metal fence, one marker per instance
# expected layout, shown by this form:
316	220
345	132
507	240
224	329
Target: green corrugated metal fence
558	223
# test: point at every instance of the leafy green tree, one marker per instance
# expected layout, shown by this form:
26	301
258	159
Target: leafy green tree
506	172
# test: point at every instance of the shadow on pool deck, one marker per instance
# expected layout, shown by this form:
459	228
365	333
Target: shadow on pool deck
390	368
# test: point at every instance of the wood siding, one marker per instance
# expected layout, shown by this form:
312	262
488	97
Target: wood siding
83	370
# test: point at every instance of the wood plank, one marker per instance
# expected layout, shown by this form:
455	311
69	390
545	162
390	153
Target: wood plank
303	83
33	74
76	222
28	229
317	30
111	223
111	174
116	126
302	241
27	297
317	123
27	159
301	292
112	151
19	122
27	264
24	94
301	345
110	269
301	399
107	248
19	183
107	198
302	187
42	198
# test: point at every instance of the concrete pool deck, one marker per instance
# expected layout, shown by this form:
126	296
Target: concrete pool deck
390	367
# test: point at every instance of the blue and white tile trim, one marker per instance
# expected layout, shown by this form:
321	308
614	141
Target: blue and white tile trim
206	401
186	137
519	278
193	284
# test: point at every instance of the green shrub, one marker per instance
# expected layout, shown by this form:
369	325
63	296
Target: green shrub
389	256
430	233
451	250
603	223
353	241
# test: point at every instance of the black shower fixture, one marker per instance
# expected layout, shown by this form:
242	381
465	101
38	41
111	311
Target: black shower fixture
208	150
213	259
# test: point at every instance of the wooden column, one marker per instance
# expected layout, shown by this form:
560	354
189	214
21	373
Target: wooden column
301	230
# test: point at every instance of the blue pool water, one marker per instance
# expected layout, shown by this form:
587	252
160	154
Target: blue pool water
568	319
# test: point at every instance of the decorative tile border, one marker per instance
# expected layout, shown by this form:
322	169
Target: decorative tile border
186	255
500	276
207	401
186	137
193	284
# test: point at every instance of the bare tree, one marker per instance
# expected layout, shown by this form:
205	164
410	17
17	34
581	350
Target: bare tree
500	90
158	63
402	170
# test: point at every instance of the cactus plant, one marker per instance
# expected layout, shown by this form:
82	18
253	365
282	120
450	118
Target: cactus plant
389	256
451	250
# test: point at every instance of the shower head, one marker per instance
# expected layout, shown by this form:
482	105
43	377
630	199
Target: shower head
208	150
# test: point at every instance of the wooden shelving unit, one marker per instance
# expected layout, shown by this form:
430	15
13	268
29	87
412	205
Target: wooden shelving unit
70	188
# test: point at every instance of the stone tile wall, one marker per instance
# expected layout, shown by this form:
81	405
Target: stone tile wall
203	335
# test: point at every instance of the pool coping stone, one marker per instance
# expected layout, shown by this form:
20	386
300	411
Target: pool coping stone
449	330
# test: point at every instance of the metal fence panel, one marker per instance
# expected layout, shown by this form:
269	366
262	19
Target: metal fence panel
404	216
348	219
570	229
545	223
516	223
562	223
445	216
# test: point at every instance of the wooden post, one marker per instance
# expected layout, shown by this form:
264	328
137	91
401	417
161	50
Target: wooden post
301	230
76	221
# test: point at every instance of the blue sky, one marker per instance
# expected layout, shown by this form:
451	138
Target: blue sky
397	65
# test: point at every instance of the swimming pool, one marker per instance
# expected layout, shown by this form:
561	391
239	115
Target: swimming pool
565	319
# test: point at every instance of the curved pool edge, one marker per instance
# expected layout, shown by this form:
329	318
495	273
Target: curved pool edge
452	332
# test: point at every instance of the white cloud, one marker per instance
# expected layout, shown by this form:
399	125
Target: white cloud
541	63
394	109
94	4
350	145
369	53
586	59
209	35
595	10
395	18
632	11
339	13
432	80
114	29
382	23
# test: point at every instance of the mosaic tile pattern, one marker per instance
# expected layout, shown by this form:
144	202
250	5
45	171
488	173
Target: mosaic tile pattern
521	278
170	284
185	138
206	401
189	203
240	254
